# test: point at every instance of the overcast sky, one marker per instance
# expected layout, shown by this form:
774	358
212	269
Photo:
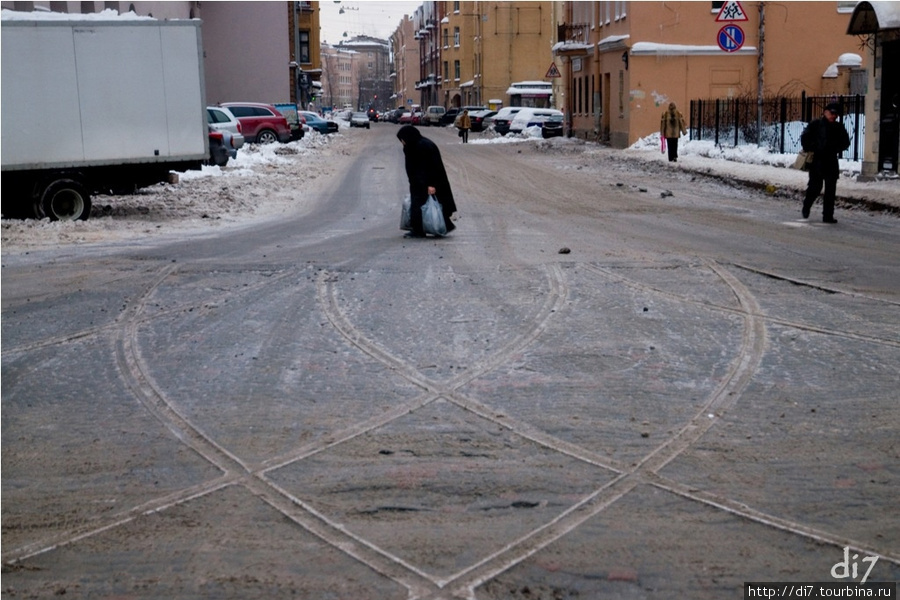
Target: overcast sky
362	17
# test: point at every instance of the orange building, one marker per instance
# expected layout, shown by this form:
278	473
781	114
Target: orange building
623	62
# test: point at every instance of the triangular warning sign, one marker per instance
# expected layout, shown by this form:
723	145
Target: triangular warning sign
552	71
731	11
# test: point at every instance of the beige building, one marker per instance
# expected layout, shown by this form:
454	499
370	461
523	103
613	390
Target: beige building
487	48
340	78
405	74
623	62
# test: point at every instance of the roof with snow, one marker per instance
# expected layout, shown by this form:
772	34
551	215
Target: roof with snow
871	17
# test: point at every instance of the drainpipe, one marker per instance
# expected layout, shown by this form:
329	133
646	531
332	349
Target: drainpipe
759	71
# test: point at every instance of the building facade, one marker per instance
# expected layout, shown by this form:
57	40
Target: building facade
340	78
374	69
488	48
623	62
406	67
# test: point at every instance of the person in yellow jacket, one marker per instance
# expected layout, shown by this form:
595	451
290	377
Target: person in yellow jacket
671	127
464	124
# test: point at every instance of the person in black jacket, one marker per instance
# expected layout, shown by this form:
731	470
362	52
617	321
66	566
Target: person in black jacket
427	176
826	139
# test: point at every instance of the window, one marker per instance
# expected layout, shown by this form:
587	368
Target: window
446	70
456	70
446	38
304	47
456	36
456	6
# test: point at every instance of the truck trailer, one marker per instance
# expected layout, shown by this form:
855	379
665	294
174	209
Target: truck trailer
96	105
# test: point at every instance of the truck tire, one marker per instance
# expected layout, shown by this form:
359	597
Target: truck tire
65	200
266	136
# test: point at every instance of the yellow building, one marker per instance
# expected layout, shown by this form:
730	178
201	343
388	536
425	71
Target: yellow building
306	59
623	62
487	47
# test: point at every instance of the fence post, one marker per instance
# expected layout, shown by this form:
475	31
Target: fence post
783	123
803	107
717	122
737	108
856	127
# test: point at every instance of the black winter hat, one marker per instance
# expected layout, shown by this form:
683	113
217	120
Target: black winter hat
834	107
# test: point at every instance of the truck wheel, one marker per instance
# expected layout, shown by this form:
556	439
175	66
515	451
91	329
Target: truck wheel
66	200
266	136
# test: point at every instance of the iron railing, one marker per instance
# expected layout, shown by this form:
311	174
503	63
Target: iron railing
734	122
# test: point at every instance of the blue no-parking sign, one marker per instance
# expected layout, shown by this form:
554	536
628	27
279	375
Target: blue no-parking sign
731	38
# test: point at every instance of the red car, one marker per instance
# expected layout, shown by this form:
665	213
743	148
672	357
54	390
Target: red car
260	123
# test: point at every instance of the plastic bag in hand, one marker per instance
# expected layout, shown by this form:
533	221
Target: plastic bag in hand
433	217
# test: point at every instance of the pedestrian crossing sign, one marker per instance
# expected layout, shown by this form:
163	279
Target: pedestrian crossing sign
731	11
553	71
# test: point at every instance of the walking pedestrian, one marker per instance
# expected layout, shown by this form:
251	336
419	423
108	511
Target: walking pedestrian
826	139
427	176
671	127
464	124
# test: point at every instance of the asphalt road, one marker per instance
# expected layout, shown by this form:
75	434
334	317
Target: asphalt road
606	383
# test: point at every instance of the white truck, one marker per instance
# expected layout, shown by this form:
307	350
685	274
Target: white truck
96	105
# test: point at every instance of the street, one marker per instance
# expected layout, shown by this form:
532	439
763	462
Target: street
608	382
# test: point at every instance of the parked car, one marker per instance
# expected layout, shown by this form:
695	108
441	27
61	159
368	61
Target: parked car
531	117
314	121
478	118
218	147
405	118
552	127
260	123
221	119
433	115
450	116
360	119
504	117
417	117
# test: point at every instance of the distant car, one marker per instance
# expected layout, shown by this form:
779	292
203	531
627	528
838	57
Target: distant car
360	119
221	119
373	114
433	115
552	127
314	121
450	116
531	117
260	123
405	118
394	115
478	119
503	118
417	117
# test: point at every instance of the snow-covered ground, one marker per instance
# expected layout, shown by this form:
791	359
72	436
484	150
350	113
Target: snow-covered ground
265	181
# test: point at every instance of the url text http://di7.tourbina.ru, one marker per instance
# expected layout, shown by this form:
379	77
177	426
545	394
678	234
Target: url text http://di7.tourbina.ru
850	580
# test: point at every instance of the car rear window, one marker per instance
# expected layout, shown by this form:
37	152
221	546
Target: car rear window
241	111
217	116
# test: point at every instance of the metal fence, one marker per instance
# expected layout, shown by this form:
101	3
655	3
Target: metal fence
733	121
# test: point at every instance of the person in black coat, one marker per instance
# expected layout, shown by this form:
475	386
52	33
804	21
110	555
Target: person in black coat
826	139
427	175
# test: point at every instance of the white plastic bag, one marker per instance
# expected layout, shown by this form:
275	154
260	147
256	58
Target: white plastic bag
433	217
405	219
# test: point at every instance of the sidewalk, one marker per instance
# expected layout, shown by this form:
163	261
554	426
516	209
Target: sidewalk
771	172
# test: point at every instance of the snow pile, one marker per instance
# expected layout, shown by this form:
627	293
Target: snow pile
264	180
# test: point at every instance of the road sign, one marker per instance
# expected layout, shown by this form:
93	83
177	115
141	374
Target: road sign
731	38
552	71
731	11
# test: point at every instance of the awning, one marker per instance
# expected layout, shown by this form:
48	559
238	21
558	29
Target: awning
871	17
